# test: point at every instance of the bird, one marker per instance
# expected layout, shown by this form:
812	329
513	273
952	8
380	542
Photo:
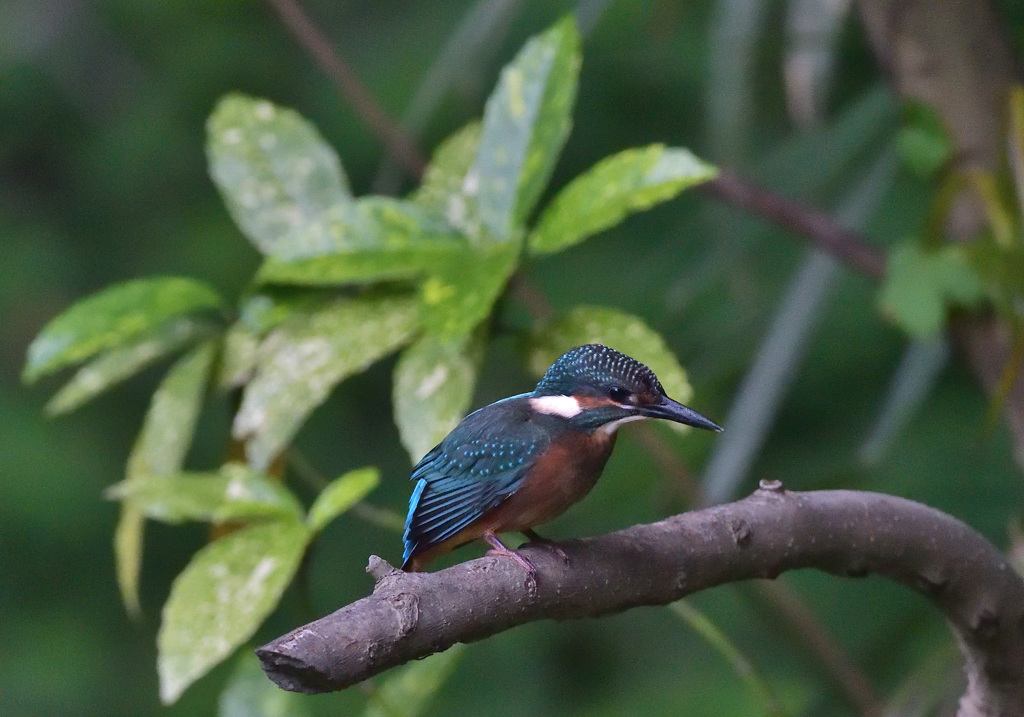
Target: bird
523	460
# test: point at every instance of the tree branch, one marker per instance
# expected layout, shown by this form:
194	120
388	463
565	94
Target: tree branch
391	134
817	227
411	615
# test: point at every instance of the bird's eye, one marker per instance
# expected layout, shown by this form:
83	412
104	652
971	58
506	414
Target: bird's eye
619	394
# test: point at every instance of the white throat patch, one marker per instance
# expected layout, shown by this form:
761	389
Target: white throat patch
610	428
564	406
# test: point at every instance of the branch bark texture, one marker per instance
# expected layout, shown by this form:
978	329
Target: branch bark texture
848	533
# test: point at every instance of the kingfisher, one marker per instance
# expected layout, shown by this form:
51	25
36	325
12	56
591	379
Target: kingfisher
524	460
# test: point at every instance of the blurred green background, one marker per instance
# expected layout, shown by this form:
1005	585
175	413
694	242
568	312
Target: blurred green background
103	178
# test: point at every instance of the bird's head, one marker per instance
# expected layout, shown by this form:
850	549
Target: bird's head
598	388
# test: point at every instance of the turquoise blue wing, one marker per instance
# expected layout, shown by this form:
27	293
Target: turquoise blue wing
483	461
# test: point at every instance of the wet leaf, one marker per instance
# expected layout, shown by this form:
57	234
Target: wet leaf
615	329
119	364
920	285
340	495
234	493
526	122
407	690
249	693
433	389
276	173
160	450
115	317
302	360
616	187
460	294
221	597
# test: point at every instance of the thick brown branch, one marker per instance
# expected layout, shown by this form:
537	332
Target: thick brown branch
397	141
411	615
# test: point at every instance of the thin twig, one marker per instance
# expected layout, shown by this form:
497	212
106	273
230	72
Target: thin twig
395	139
304	469
740	663
817	227
818	641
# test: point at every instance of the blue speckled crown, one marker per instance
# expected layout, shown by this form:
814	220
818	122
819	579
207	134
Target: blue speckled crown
594	365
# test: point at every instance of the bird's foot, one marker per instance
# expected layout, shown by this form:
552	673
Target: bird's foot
499	548
533	537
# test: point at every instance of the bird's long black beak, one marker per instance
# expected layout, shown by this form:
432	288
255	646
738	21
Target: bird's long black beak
674	411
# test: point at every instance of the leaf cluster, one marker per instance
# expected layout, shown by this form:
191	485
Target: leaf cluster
344	282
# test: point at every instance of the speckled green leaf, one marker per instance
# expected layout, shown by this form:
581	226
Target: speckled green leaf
121	363
277	175
380	239
160	450
920	284
302	360
340	495
221	597
615	329
460	294
442	188
408	690
614	188
238	356
433	388
114	317
248	693
272	307
526	122
234	493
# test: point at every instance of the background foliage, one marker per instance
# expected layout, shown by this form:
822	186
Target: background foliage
105	179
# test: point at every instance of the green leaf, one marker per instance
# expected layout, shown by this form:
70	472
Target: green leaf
407	691
340	495
615	329
272	307
920	284
160	450
129	536
378	239
460	294
249	693
303	359
238	356
221	597
113	317
234	493
923	142
277	175
614	188
166	433
442	188
121	363
433	388
526	122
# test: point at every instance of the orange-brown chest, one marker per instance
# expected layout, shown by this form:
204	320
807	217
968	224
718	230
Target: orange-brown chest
565	473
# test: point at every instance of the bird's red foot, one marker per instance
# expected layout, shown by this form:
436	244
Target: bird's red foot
498	548
533	537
